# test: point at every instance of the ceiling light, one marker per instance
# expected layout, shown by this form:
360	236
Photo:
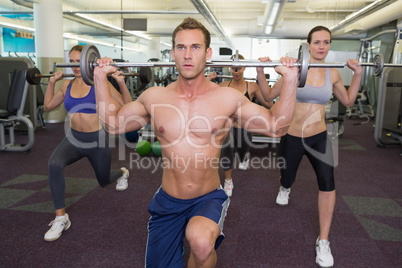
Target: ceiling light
136	33
94	41
87	40
99	22
17	26
166	44
128	48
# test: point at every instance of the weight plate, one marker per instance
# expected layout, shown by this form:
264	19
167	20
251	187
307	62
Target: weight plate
378	64
145	75
89	55
303	60
31	76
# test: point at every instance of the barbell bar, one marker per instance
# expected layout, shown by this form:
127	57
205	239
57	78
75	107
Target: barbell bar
90	54
245	78
231	77
33	75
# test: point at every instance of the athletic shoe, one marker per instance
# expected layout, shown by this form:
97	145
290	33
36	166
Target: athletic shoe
244	165
58	226
283	196
324	257
122	182
228	187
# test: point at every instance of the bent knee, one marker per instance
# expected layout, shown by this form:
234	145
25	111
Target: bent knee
55	166
201	246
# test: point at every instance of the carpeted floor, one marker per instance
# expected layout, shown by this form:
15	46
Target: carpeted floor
109	228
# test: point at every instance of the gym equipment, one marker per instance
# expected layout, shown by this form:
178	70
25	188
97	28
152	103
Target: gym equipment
33	75
131	136
336	116
156	148
147	133
388	130
13	115
90	54
143	147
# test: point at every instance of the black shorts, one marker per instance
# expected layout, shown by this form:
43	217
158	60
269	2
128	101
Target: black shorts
318	149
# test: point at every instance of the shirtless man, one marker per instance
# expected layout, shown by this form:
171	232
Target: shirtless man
191	118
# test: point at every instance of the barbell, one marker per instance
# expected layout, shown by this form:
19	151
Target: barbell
245	78
33	75
90	54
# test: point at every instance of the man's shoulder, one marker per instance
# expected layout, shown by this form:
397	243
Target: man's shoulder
152	94
154	90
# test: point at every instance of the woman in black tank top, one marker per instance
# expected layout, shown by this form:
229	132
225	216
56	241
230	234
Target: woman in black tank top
239	140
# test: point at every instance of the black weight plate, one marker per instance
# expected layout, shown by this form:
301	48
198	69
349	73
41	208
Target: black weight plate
89	55
31	76
145	75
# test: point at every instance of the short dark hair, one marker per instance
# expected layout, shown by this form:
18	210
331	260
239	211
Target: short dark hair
76	48
192	24
317	29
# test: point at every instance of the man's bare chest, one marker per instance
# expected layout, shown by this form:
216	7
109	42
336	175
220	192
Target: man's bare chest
196	122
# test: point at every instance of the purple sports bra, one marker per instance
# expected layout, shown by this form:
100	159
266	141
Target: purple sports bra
86	105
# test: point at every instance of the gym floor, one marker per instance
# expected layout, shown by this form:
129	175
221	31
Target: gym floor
109	228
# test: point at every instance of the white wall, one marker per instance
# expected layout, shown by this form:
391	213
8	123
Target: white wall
275	49
343	56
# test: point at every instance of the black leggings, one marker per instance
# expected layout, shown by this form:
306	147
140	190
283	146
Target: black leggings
240	144
76	145
318	149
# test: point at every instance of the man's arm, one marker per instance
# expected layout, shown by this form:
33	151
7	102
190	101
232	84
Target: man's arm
116	118
276	121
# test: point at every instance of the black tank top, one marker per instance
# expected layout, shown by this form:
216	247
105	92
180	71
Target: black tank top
246	94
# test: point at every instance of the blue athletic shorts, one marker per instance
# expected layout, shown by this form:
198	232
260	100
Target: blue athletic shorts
169	218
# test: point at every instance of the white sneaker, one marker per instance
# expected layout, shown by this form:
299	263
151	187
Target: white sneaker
228	187
122	182
58	226
244	165
324	257
283	196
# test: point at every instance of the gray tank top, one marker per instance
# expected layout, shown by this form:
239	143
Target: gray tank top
317	95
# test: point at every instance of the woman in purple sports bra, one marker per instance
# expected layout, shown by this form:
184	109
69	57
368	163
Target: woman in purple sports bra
307	134
84	138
